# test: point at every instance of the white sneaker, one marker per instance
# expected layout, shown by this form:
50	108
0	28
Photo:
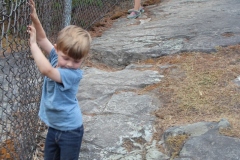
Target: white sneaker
134	14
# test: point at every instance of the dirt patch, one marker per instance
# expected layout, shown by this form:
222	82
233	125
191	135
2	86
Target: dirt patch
6	148
198	87
174	144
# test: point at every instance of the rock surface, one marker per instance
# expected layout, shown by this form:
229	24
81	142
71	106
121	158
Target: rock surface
175	26
117	119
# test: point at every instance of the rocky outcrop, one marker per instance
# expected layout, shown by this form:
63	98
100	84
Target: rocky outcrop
172	27
117	118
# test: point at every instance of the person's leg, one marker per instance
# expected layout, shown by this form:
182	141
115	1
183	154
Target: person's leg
70	144
137	5
51	149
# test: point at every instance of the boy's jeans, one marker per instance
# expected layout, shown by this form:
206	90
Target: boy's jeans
63	145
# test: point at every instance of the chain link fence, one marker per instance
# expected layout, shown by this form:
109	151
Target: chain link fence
20	80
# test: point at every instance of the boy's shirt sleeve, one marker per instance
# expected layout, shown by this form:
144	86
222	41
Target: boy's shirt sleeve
53	57
69	77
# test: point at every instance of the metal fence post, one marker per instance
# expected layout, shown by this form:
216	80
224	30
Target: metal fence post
67	12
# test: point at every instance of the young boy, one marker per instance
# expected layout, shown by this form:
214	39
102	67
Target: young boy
59	107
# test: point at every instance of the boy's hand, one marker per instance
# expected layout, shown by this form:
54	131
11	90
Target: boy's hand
38	34
32	32
33	13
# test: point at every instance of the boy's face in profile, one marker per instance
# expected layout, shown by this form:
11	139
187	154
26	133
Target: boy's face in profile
64	61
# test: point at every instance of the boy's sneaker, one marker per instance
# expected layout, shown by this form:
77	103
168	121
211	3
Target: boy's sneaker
140	10
134	14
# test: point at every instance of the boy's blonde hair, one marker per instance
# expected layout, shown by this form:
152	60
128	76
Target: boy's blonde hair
74	42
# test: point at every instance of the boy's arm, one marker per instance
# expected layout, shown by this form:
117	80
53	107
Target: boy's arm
41	61
42	39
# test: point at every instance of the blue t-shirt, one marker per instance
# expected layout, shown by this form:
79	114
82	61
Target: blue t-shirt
59	106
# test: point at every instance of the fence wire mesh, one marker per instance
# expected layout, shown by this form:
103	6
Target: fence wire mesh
20	80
